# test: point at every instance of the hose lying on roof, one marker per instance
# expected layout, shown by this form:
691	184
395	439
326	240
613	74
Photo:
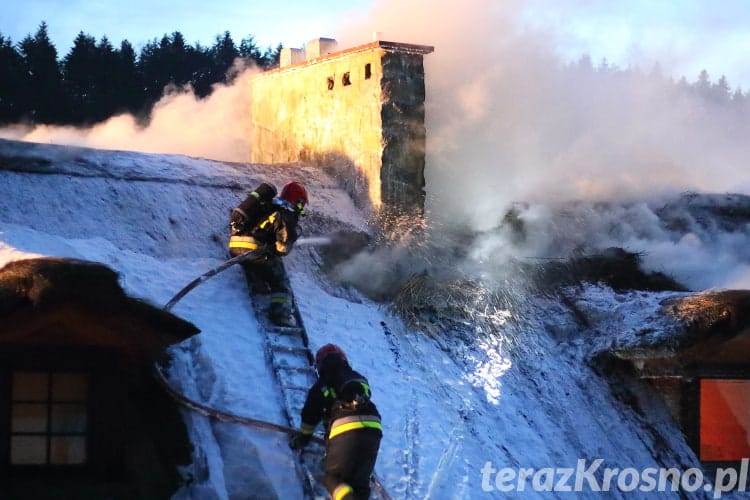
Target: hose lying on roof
237	419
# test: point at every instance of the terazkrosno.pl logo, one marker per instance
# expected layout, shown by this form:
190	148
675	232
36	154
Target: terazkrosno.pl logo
591	476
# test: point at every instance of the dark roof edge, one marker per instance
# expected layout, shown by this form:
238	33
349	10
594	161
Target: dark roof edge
403	47
408	48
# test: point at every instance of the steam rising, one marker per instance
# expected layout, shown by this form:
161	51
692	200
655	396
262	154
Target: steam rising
509	122
217	127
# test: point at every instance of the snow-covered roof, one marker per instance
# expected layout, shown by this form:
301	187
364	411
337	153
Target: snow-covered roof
34	291
691	323
520	395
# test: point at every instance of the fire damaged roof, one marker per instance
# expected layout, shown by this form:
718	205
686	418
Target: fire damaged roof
57	301
707	327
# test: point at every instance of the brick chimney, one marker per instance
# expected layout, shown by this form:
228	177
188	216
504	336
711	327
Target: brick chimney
290	56
319	47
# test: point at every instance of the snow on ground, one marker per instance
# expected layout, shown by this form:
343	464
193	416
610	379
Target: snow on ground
454	411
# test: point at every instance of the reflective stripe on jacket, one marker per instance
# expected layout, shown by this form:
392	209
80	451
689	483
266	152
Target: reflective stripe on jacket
346	424
247	242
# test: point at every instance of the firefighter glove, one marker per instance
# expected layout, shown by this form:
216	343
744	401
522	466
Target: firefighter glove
299	440
237	223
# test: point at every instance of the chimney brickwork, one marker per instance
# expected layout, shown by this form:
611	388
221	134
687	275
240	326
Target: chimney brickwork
359	113
319	47
291	56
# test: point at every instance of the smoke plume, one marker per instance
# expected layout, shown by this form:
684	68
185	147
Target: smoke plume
509	122
216	127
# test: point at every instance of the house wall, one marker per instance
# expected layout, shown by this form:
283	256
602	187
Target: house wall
679	382
358	113
671	389
136	436
404	133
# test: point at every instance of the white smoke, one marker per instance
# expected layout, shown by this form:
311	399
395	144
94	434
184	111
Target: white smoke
509	120
216	127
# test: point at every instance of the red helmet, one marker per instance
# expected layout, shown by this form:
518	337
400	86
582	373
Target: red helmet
294	193
326	351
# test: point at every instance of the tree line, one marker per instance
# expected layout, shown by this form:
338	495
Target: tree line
719	92
96	80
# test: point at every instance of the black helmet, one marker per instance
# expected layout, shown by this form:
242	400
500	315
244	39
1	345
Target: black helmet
265	191
328	350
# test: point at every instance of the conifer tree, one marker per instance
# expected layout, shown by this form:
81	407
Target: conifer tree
43	96
224	53
250	52
78	67
12	82
272	56
201	77
129	82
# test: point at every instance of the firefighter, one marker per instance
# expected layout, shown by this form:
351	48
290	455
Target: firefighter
267	223
341	399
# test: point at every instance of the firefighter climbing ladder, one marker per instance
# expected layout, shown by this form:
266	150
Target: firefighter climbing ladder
289	355
292	361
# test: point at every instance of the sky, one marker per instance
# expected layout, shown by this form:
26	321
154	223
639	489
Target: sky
685	36
450	404
291	22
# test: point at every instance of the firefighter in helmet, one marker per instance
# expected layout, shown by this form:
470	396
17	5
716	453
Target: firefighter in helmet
267	223
341	399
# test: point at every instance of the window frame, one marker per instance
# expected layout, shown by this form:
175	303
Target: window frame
49	434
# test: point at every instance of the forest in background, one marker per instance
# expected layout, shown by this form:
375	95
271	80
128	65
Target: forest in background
96	80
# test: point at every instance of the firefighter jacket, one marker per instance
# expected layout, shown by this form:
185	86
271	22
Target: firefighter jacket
275	227
341	399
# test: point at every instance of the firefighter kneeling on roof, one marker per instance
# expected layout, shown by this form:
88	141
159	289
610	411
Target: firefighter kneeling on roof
267	224
341	398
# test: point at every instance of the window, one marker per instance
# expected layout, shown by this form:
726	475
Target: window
368	71
724	420
330	83
48	418
346	79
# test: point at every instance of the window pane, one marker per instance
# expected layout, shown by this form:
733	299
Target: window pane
30	386
68	418
29	417
724	419
68	450
69	386
26	450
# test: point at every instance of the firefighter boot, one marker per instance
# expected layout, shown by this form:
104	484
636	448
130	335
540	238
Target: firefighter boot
279	312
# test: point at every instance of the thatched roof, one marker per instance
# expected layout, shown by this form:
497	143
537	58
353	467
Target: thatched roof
57	301
720	312
711	326
618	268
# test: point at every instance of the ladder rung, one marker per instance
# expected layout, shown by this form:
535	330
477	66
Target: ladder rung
286	330
295	388
301	369
285	349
